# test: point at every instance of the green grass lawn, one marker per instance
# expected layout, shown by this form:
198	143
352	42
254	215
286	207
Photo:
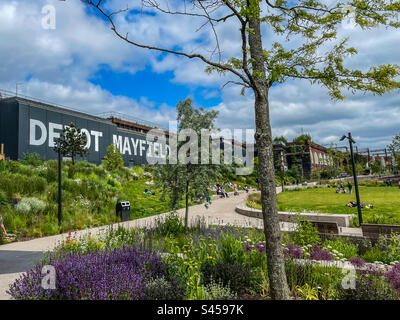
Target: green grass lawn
386	202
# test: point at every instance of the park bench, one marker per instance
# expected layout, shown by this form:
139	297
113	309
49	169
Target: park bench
372	231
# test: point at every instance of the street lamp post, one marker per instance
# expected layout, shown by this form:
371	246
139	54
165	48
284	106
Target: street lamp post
351	141
59	185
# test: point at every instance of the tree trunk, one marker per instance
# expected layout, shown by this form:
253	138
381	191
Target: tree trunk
275	258
187	204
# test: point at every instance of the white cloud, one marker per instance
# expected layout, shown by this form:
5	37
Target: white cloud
56	65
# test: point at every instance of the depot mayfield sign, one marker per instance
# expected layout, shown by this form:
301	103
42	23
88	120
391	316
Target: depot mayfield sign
130	145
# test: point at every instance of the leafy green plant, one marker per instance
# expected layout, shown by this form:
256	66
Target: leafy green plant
367	287
3	200
231	249
236	276
30	205
163	289
172	225
307	292
217	291
306	233
113	159
343	246
32	159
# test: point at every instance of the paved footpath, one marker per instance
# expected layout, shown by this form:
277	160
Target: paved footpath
18	257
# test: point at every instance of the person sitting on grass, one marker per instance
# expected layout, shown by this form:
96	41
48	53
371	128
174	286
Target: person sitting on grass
147	191
2	226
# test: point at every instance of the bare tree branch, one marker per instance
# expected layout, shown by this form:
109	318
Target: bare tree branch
108	16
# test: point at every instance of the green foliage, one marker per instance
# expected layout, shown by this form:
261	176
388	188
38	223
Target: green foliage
367	287
30	206
343	246
71	142
162	289
217	291
304	138
113	159
187	179
171	226
231	249
305	233
32	159
3	200
235	276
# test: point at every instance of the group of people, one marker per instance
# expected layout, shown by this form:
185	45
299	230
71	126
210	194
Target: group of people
341	189
220	190
389	182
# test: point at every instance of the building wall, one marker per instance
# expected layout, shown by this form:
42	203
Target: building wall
27	126
9	128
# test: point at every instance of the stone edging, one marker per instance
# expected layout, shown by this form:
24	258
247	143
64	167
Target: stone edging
343	220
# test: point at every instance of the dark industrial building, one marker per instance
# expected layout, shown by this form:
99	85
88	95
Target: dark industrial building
28	126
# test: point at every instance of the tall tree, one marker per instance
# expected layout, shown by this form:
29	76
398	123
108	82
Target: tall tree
316	55
71	143
187	179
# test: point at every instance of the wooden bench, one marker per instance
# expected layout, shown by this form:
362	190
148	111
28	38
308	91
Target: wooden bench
372	231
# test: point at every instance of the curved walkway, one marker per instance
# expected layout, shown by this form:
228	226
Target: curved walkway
18	257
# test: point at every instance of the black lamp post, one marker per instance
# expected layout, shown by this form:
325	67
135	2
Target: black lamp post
351	141
59	184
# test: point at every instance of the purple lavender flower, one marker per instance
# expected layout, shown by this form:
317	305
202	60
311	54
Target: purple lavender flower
121	273
319	254
260	246
357	262
293	251
392	276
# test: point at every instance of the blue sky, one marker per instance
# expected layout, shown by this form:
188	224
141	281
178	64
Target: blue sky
160	88
82	64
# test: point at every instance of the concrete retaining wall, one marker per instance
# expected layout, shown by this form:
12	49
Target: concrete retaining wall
343	220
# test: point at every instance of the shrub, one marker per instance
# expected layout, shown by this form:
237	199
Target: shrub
235	276
113	159
30	205
3	199
344	247
367	287
33	159
373	254
172	225
231	249
108	275
297	274
162	289
306	233
217	291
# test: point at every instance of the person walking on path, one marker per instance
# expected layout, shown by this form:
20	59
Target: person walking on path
2	226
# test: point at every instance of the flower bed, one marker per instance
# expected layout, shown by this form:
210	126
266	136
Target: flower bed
170	261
